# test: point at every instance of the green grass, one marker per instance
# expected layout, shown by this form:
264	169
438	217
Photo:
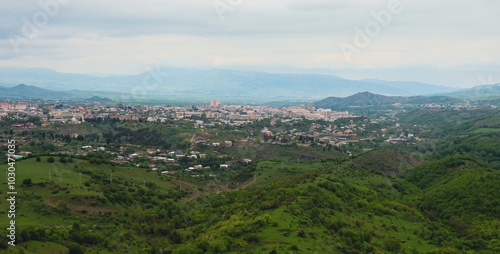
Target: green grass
35	202
277	238
39	171
269	171
36	247
340	208
68	174
316	235
65	185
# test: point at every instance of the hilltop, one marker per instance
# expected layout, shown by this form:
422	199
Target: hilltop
23	91
367	99
99	99
482	92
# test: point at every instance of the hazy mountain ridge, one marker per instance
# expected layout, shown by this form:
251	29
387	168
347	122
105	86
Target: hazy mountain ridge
411	85
31	92
367	99
477	92
214	83
23	91
99	99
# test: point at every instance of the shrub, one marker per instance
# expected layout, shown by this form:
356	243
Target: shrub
392	244
301	233
50	159
75	248
455	222
62	207
252	238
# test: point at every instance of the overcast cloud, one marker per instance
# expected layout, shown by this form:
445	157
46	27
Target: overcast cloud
456	40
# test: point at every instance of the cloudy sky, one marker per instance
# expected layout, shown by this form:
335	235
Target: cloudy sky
448	42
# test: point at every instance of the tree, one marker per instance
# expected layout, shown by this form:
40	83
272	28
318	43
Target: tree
50	159
301	233
76	226
27	181
457	224
75	248
392	244
62	207
175	237
38	159
3	245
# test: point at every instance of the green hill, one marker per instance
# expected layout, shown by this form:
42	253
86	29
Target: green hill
477	93
328	206
457	186
23	91
470	195
463	196
426	175
387	161
367	99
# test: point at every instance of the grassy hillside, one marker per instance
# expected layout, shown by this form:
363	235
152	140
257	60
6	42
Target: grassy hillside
97	201
478	138
446	118
470	194
427	175
328	206
367	99
387	161
473	133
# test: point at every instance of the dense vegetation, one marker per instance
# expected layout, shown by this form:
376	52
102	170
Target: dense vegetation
329	206
381	102
437	196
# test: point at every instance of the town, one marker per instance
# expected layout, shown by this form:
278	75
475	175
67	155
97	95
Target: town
59	113
212	136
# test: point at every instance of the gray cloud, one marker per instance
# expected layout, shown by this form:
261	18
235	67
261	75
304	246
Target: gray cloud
124	36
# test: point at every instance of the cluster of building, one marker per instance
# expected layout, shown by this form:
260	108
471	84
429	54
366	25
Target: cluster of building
7	109
214	110
158	160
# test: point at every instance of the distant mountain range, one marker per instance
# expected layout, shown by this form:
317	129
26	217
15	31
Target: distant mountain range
230	86
202	85
367	99
99	99
23	91
478	92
